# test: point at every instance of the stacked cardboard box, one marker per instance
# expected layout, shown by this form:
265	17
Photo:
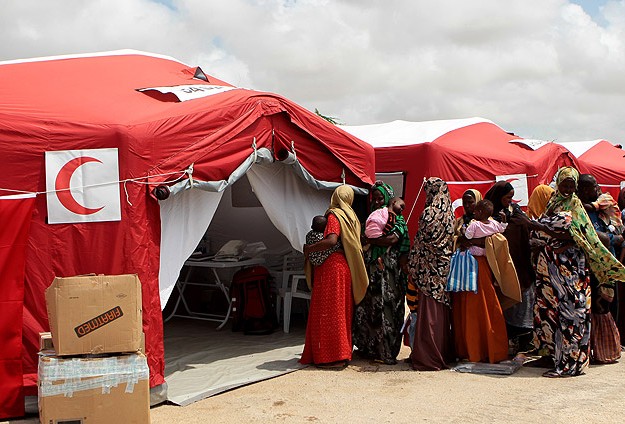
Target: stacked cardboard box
96	372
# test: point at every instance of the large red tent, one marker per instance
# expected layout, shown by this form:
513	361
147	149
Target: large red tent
604	160
467	153
135	103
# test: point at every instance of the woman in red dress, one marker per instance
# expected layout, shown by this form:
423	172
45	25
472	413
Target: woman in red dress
339	283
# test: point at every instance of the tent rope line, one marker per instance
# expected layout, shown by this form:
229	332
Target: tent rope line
415	200
131	180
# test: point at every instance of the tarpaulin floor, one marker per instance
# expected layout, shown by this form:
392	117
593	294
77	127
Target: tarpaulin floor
201	361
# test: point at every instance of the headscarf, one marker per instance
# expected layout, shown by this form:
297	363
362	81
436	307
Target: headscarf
341	207
475	193
432	249
538	201
465	219
495	194
604	266
609	212
518	235
386	190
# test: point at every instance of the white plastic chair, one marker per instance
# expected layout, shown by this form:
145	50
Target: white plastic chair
299	290
292	272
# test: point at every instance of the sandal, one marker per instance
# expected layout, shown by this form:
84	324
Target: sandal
385	361
554	374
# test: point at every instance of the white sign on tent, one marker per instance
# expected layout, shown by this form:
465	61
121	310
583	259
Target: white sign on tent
519	183
82	186
190	92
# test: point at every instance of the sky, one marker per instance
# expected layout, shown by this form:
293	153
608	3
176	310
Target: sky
542	69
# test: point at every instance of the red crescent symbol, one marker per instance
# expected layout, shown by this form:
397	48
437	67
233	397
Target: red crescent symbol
62	186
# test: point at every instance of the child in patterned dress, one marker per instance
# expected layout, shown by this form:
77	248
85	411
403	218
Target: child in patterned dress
315	235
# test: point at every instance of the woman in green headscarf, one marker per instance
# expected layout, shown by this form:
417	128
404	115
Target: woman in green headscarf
339	283
379	317
562	307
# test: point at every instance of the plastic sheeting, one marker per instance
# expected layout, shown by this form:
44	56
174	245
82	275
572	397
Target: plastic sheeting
202	362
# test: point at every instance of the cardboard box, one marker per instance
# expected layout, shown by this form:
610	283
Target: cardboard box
84	390
95	314
45	342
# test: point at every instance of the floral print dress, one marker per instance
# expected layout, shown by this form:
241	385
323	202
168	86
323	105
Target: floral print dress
562	306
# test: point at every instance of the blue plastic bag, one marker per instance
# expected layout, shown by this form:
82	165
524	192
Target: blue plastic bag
462	272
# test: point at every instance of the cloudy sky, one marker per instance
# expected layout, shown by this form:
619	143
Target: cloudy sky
544	69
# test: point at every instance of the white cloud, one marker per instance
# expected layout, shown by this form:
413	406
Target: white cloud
540	68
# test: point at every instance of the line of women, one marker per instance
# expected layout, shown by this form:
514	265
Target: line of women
358	299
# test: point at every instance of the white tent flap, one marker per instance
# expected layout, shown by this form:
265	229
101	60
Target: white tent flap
184	220
290	207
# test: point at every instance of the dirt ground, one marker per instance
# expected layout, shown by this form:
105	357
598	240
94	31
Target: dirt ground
367	392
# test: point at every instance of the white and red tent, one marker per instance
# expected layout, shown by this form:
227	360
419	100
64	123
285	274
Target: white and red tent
604	160
467	153
85	135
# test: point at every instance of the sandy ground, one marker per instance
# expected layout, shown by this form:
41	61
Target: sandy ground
367	392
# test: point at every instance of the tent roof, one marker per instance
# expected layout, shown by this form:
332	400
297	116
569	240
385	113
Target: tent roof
606	162
406	133
99	88
578	148
72	102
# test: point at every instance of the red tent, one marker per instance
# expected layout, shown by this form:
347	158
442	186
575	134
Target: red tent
467	153
602	159
165	123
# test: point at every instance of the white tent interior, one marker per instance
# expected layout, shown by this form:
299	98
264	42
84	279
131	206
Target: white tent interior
289	196
285	199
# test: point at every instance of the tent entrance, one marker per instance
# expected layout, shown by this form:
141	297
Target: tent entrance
200	361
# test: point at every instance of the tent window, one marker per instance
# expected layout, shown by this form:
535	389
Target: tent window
243	196
394	179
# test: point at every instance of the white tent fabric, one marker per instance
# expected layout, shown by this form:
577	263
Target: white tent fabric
289	202
405	133
184	220
578	148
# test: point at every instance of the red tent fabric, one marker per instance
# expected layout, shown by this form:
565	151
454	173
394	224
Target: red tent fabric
15	215
93	102
467	153
606	162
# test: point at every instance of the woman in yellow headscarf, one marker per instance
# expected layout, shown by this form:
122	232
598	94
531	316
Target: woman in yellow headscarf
339	283
562	308
538	201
